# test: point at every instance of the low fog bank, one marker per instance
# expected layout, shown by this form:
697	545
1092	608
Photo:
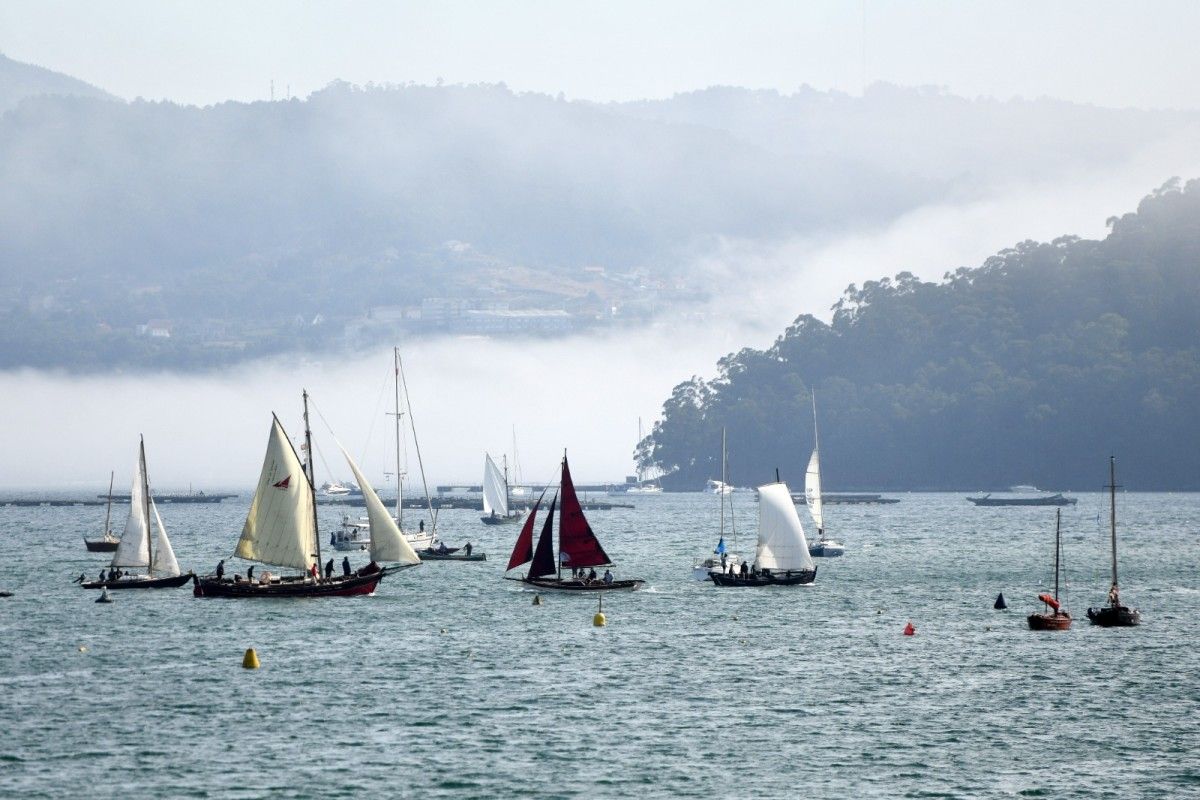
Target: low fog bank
583	393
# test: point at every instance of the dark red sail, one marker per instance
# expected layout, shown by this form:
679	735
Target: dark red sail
523	551
543	558
578	547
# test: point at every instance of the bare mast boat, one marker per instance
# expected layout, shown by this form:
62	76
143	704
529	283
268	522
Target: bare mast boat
1055	617
108	542
1114	615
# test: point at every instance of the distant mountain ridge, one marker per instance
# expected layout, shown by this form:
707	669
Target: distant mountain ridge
19	81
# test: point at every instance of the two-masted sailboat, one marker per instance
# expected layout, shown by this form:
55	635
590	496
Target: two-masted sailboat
143	545
108	542
281	530
1055	617
496	509
822	547
781	558
1114	615
578	548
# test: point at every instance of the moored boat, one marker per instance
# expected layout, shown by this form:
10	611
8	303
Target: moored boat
108	542
1055	617
143	544
1114	615
722	558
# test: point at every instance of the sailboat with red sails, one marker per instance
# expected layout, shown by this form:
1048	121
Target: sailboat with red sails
281	530
578	548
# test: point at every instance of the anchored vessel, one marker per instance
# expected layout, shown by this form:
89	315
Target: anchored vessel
106	543
1054	617
1048	500
721	558
1114	615
495	494
578	548
143	544
781	558
281	530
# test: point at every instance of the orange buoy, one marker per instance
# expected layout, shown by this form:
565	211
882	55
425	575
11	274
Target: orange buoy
909	630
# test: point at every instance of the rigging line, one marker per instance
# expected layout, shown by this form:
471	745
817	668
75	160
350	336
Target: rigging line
374	414
313	404
413	424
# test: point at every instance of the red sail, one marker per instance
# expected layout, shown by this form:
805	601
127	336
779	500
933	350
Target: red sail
578	547
523	551
543	559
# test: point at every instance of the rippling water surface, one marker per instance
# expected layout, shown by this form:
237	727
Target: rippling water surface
450	683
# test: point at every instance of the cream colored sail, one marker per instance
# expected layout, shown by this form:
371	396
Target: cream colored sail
134	550
279	529
781	543
164	564
387	543
494	490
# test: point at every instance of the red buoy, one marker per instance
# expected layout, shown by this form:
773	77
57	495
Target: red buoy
909	630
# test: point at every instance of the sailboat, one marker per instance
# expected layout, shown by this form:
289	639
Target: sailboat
1114	615
281	530
822	547
578	548
108	542
355	533
1055	617
643	486
721	555
495	494
781	558
143	544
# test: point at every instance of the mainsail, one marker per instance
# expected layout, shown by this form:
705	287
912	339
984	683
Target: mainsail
523	550
781	543
578	547
279	529
543	557
134	550
812	489
387	543
495	490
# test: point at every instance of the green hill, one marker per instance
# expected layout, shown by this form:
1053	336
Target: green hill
1031	368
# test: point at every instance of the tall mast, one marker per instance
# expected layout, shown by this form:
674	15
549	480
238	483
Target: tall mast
108	511
1057	545
506	485
146	505
1112	489
639	441
396	414
721	489
416	445
312	481
558	558
817	450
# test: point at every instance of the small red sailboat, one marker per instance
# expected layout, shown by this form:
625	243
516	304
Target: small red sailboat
1055	617
578	548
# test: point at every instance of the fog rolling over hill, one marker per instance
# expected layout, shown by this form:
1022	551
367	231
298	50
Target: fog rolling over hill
140	234
1031	368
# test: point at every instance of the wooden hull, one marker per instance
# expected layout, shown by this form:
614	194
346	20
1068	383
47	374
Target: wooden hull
147	583
571	585
340	586
1114	617
1057	621
101	545
797	578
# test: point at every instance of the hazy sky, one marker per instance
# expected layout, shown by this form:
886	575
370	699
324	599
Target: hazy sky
1108	53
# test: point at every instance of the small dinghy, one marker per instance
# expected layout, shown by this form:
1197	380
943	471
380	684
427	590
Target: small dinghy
444	553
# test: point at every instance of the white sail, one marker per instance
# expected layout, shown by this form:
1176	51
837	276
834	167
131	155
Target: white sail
387	543
494	491
781	543
279	529
812	489
134	550
164	564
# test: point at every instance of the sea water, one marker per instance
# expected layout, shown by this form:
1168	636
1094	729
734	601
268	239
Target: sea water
449	682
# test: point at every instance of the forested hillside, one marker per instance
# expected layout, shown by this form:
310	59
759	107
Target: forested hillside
1031	368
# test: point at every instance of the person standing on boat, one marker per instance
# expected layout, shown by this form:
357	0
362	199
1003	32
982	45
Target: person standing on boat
346	566
608	577
250	573
467	549
221	569
329	569
591	575
745	569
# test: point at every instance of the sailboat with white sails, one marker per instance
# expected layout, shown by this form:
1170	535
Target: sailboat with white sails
781	557
281	530
144	544
721	555
496	509
822	547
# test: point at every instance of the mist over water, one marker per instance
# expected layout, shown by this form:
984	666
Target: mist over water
584	393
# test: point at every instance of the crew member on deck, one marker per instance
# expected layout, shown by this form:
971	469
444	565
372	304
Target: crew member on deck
250	573
745	568
221	569
608	577
467	549
346	566
591	574
329	569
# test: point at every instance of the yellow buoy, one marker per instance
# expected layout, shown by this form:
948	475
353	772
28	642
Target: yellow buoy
599	620
250	660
